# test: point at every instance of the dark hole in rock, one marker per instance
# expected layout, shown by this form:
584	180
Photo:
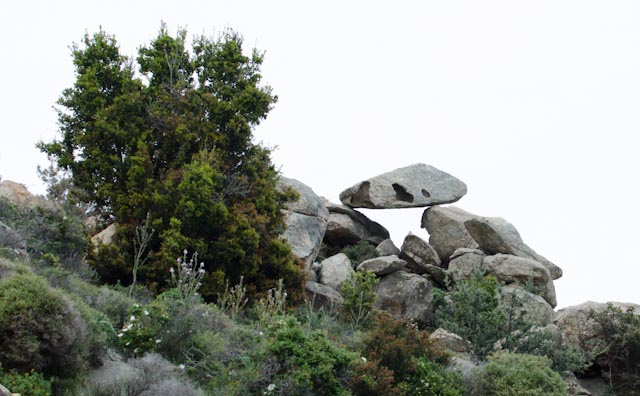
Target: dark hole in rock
401	193
426	193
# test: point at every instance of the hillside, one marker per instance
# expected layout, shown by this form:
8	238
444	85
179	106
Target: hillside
470	311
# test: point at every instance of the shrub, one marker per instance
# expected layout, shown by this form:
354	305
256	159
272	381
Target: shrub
370	378
359	294
361	251
620	332
432	379
512	374
40	328
145	376
472	312
396	345
30	383
311	363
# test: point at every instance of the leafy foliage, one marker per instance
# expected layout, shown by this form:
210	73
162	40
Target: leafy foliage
431	379
30	383
359	294
40	329
512	374
176	144
620	332
361	251
473	313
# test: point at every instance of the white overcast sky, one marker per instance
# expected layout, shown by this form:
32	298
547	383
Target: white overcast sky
534	104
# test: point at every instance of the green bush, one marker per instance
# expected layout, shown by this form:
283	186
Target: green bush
361	251
472	312
432	379
620	342
359	295
40	328
397	345
512	374
30	383
310	364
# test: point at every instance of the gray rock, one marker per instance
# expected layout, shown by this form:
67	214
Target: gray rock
306	220
308	203
526	305
513	269
347	226
322	297
496	235
465	263
405	296
4	391
447	231
382	265
414	186
335	270
579	330
420	256
304	234
387	248
574	388
448	341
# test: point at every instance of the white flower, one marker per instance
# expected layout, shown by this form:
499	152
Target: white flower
172	270
181	366
120	335
261	333
158	341
128	343
271	387
146	313
132	318
364	359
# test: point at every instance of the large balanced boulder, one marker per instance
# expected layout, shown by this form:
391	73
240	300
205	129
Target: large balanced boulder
513	269
382	265
406	296
447	231
347	227
306	220
335	270
414	186
496	235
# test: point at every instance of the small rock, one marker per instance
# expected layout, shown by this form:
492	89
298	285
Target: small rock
382	265
387	248
465	263
335	270
405	296
323	297
448	341
420	256
447	231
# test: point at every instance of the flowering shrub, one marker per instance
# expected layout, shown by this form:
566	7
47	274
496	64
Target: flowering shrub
431	379
142	332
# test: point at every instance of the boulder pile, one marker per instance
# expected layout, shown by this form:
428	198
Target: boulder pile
459	244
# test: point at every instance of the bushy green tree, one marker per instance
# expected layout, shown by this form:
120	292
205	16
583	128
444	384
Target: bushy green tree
172	136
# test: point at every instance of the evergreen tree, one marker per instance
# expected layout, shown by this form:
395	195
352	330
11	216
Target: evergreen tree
175	142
